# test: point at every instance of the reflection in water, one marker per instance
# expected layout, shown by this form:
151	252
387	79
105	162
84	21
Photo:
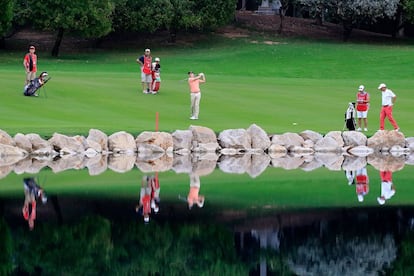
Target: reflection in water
193	194
149	197
32	191
360	179
387	187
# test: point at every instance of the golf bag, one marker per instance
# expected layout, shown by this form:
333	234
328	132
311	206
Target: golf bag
350	117
34	85
156	81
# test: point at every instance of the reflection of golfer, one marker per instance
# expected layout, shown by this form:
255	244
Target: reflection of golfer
32	191
145	198
387	187
362	183
193	196
194	84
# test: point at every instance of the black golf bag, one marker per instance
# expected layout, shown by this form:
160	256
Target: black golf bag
350	117
34	85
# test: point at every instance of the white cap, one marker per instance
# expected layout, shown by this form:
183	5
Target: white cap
361	88
147	50
157	59
382	85
360	198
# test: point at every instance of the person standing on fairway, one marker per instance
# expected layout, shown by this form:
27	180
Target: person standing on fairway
388	100
145	61
362	107
194	85
30	64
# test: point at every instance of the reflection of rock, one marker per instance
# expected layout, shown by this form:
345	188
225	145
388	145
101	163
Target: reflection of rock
122	142
410	159
204	164
164	163
353	163
287	162
97	164
97	140
234	164
310	165
258	164
337	136
182	163
235	139
410	143
384	140
67	162
276	151
360	151
354	138
121	162
11	154
331	161
383	162
5	170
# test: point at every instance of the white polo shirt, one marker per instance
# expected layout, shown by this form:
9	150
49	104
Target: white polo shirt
387	96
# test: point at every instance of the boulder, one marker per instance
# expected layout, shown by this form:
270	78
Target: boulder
354	138
204	139
122	142
328	144
360	151
10	155
385	139
182	139
68	145
162	141
410	143
288	140
6	139
23	142
234	138
97	140
258	137
353	163
40	147
311	135
337	136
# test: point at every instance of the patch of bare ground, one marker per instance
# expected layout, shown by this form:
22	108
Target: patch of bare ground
249	22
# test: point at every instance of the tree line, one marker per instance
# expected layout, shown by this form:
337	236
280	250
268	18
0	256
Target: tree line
94	19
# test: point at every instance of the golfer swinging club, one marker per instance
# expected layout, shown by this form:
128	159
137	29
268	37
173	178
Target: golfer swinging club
195	92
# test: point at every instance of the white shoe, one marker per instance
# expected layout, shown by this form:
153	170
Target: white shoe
192	118
36	95
398	129
144	91
359	129
365	129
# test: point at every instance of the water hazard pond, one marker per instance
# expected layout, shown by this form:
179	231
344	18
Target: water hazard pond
282	222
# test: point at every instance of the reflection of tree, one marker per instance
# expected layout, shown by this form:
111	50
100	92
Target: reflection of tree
404	264
94	246
6	265
350	256
81	249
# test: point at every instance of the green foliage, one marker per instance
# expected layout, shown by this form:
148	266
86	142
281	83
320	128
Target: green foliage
404	263
6	249
91	18
6	15
408	6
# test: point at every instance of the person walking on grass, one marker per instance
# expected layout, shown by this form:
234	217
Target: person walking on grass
195	92
145	62
388	100
362	107
30	64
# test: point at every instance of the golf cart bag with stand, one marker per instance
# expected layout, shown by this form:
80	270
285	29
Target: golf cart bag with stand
34	85
350	117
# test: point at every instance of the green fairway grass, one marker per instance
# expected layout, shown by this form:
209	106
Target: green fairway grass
274	86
